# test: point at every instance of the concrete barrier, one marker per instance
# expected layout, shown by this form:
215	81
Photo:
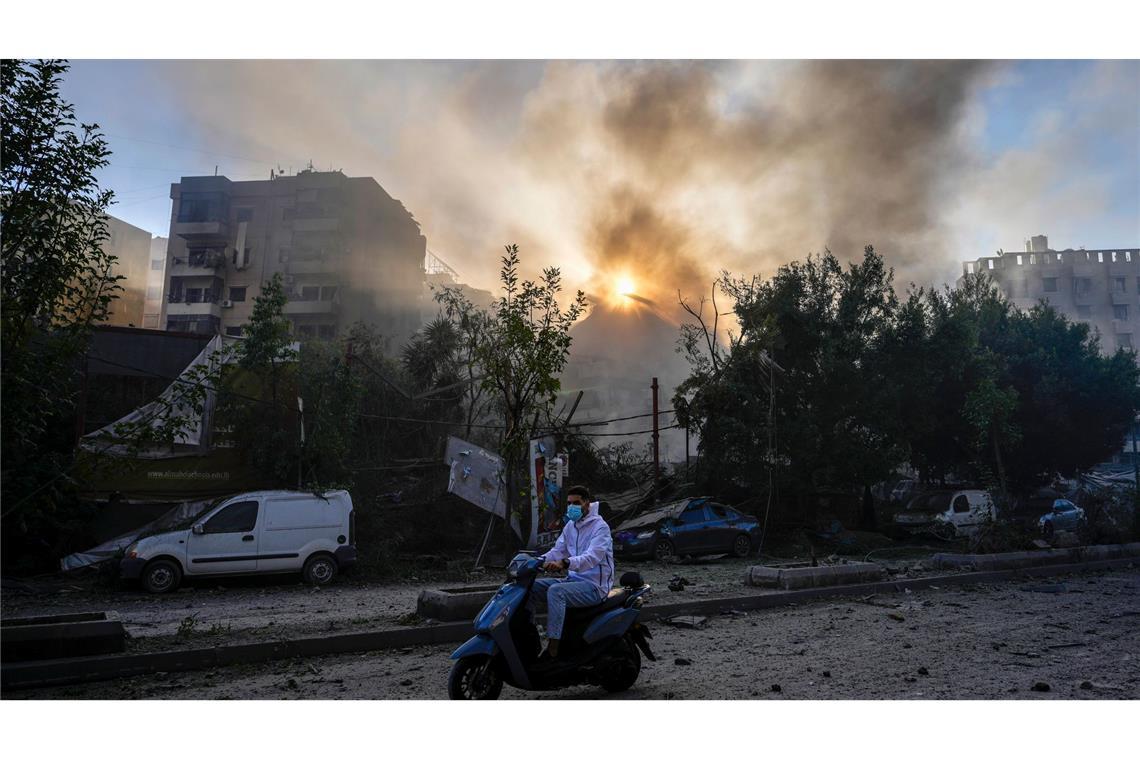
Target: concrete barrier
20	643
791	578
1016	560
454	604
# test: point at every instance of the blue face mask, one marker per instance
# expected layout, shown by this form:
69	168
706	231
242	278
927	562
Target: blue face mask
574	512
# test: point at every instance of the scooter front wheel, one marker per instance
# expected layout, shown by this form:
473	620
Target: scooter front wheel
474	678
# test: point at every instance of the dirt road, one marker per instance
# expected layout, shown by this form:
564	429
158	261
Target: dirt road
1071	637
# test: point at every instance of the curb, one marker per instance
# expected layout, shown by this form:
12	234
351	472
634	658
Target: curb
83	669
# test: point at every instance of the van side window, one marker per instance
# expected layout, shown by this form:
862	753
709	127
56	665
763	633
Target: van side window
961	504
236	518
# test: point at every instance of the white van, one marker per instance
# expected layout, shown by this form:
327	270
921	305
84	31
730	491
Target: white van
259	532
946	513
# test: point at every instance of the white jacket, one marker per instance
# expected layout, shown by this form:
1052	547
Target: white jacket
588	546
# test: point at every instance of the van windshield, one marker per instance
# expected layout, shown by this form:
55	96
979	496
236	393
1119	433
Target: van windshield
186	522
939	501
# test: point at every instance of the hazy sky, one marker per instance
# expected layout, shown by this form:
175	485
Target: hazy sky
662	171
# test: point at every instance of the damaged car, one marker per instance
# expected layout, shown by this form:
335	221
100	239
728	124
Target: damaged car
697	526
1065	515
946	514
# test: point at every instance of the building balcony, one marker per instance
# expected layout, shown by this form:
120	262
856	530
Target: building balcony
198	263
215	230
1119	298
309	266
209	306
297	308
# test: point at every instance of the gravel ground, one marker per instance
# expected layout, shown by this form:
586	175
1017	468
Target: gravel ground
251	609
1073	637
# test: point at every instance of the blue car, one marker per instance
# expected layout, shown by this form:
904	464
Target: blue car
1065	515
687	527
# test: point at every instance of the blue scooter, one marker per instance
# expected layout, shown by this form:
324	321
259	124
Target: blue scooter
600	645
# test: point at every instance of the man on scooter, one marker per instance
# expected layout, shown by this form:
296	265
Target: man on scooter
586	551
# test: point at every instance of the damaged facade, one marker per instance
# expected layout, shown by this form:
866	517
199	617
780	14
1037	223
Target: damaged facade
347	251
1100	288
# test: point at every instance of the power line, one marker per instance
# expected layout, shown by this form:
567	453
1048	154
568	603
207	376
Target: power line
196	150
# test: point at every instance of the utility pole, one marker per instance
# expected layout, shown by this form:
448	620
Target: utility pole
301	449
656	439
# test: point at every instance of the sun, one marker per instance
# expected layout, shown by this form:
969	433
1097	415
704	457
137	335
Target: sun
624	286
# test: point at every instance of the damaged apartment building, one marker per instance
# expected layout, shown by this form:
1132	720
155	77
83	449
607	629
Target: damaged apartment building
347	252
1100	287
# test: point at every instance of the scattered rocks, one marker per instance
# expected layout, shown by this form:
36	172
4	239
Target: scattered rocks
682	661
1040	686
826	674
895	616
923	672
776	688
406	682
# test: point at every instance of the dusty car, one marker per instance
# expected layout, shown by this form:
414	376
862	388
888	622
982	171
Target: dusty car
948	514
1065	515
687	527
249	533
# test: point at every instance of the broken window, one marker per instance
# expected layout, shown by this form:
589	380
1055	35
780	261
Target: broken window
328	292
309	293
961	504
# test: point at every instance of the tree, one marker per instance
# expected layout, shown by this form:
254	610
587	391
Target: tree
57	281
800	389
525	348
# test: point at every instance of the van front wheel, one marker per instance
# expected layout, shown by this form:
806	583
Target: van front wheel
161	576
320	570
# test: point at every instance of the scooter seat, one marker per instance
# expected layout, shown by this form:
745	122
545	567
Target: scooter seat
613	601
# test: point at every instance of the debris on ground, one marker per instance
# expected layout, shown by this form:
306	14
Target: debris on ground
776	688
895	616
677	583
682	661
686	621
1040	686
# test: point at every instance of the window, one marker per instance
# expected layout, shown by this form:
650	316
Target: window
693	515
1120	311
328	292
306	331
1124	341
1050	284
1082	285
718	511
1019	259
1118	285
157	265
961	504
1025	287
236	518
309	293
202	207
990	262
245	214
234	332
326	332
1084	311
193	295
153	292
237	294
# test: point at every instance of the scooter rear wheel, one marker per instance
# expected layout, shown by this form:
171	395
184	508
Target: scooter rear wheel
625	670
474	678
